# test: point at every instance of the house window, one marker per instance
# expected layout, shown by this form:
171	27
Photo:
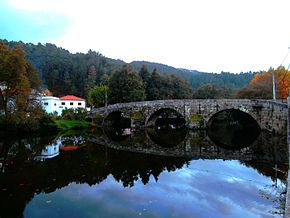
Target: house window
45	103
79	103
62	103
71	103
54	104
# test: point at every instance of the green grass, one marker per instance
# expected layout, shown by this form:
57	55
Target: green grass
64	125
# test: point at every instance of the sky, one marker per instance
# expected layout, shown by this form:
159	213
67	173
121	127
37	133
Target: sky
208	35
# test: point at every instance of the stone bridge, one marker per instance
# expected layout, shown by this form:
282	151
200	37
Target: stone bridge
270	115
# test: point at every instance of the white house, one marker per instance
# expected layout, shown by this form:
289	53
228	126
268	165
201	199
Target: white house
70	101
50	104
57	105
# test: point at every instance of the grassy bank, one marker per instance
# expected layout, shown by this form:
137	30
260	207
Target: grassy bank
64	125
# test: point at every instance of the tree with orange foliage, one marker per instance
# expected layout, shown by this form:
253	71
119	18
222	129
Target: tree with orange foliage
283	82
47	92
17	79
261	85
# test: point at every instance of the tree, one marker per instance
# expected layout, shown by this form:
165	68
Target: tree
104	80
91	79
255	92
98	95
283	82
209	91
126	85
145	76
261	85
17	80
47	92
155	87
178	88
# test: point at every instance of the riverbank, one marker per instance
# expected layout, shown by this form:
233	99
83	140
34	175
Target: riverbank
44	127
64	125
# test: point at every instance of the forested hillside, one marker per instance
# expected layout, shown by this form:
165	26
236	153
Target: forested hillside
65	73
234	81
162	68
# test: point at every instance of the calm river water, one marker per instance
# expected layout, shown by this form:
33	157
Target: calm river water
117	173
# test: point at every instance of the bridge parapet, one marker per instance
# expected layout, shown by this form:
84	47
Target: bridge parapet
270	115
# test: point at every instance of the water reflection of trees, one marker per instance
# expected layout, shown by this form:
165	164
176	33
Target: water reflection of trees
270	156
91	164
22	177
129	167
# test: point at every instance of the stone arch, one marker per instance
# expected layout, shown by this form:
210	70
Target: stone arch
248	109
116	119
169	115
232	128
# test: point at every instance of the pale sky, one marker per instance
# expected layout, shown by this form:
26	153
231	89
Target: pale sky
204	35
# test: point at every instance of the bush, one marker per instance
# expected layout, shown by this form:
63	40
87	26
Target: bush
74	114
46	122
33	121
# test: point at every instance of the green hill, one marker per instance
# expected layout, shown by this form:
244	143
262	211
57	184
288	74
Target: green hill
65	73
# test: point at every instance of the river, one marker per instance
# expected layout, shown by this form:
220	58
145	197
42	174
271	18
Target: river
152	173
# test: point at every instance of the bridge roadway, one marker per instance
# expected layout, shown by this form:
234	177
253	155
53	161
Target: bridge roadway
270	115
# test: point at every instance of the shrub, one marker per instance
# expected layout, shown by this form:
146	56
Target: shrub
74	114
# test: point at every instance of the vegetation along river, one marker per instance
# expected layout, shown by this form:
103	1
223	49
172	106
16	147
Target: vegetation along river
151	173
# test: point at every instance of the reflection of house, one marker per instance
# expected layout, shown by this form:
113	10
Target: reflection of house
49	151
56	105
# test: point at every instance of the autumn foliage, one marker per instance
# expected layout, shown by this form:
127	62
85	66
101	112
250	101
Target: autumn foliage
261	85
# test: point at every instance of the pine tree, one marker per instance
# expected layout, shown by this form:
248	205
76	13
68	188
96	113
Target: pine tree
155	87
145	76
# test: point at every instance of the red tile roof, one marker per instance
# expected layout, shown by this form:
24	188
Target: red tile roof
71	98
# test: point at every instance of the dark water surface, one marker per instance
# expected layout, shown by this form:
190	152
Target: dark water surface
155	173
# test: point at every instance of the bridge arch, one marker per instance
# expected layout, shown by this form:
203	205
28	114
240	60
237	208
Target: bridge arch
166	117
116	119
233	129
243	109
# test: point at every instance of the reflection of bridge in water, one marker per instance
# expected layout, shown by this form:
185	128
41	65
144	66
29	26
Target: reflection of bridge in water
196	145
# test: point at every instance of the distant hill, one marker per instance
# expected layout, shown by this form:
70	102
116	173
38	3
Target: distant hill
64	72
162	68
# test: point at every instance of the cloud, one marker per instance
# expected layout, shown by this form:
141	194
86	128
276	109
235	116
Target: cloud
205	35
206	188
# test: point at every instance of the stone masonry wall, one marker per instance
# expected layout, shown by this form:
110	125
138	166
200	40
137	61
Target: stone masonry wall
270	115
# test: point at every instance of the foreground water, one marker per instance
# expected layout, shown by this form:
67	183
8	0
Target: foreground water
109	173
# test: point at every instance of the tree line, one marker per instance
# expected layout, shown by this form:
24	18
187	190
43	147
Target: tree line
127	85
91	75
261	85
64	73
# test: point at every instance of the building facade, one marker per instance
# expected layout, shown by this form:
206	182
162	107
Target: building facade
57	105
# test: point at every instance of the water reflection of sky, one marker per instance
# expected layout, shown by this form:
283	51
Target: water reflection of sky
205	188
